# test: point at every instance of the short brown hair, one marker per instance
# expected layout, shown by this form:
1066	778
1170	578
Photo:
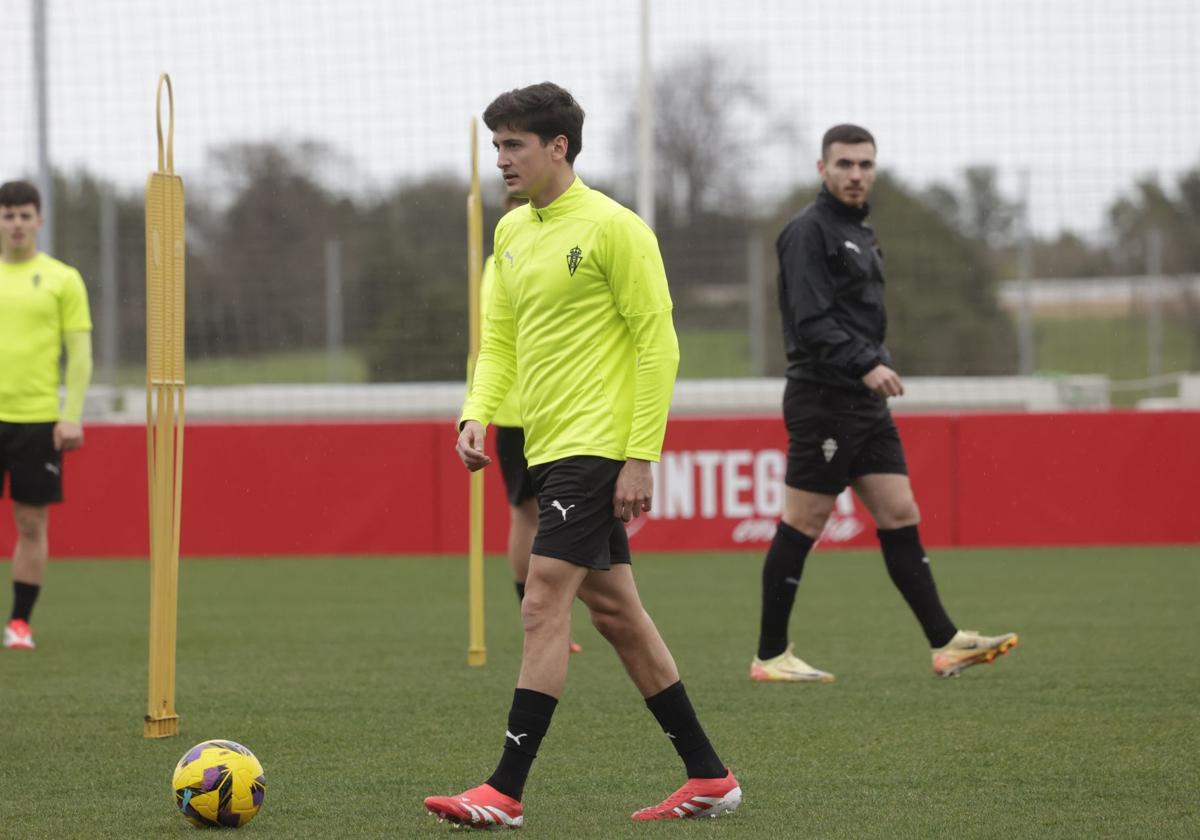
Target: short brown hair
20	193
545	109
844	133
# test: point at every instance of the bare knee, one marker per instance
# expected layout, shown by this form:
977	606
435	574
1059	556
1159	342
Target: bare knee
30	532
612	626
613	620
899	514
538	611
30	522
890	499
811	526
807	512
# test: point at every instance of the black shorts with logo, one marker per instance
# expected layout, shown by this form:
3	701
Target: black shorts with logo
34	467
836	436
575	512
510	447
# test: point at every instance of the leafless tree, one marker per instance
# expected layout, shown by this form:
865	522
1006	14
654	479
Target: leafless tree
711	125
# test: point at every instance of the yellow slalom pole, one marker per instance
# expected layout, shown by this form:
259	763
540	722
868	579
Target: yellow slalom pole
477	651
164	415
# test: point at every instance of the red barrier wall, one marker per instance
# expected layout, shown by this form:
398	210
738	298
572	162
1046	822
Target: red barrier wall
397	487
1079	479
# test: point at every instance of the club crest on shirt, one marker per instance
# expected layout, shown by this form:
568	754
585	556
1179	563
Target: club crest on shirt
574	258
829	449
37	280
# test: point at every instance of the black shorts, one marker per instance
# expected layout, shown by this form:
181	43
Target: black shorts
33	465
575	512
510	447
836	436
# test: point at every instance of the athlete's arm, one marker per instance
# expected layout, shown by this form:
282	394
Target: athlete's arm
639	284
496	366
68	431
811	290
487	287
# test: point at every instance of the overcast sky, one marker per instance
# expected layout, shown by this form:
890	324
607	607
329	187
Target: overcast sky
1087	95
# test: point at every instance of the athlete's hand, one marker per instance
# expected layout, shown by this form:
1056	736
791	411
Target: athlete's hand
635	487
470	446
67	435
884	381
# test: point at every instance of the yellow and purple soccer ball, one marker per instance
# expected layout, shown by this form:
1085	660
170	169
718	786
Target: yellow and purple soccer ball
219	783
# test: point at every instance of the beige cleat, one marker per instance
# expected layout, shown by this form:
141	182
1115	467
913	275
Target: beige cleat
787	667
969	648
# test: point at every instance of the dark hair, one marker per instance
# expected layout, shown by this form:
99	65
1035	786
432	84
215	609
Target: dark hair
546	110
20	193
844	133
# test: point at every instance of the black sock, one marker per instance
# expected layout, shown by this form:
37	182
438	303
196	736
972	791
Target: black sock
674	713
909	569
528	720
24	595
520	586
780	577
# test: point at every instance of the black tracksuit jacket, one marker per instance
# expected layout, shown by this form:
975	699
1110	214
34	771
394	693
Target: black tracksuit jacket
831	295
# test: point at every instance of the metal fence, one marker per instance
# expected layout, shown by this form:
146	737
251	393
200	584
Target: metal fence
324	152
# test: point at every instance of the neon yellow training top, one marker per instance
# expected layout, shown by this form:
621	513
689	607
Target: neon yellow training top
41	299
509	412
582	311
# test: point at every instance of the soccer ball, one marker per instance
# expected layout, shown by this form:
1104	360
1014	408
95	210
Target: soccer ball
219	783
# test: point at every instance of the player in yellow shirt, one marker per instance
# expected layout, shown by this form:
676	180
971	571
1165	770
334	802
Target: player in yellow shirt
580	320
43	307
510	451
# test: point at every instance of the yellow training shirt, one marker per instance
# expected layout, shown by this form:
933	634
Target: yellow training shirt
580	319
509	412
40	300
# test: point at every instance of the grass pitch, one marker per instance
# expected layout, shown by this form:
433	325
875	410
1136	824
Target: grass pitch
348	679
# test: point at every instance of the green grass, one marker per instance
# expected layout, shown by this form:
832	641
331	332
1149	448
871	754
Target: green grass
1117	347
347	677
713	354
297	367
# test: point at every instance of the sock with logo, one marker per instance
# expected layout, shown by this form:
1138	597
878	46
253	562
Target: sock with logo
674	713
528	720
520	585
908	566
780	577
24	596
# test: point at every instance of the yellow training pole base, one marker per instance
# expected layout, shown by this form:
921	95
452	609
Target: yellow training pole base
163	727
477	656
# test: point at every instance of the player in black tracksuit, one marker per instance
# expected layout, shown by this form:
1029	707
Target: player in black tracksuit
831	295
840	430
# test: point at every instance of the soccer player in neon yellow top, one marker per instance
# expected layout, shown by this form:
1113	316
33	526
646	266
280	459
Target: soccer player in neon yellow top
580	321
43	307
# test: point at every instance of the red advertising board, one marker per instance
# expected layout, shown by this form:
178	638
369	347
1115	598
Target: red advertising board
1079	479
398	488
